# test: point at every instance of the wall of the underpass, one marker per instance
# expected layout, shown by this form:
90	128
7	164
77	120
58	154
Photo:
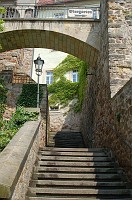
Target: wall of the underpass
99	123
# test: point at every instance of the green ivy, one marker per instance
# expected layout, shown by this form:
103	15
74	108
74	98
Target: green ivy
61	91
28	97
70	63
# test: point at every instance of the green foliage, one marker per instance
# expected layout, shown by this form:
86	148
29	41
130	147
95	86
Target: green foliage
2	110
3	92
82	86
9	128
2	11
62	90
28	97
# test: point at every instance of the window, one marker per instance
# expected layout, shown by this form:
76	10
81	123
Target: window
75	76
29	13
49	77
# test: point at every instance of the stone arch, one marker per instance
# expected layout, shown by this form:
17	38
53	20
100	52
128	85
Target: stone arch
32	38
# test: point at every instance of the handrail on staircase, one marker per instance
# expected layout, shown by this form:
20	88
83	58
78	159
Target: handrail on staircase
118	134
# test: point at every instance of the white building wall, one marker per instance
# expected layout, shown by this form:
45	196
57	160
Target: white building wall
51	60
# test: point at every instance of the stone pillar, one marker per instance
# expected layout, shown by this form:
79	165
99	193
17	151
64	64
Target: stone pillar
44	111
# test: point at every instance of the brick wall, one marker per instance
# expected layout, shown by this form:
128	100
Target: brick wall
20	61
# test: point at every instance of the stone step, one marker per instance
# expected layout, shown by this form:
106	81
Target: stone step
65	136
71	192
64	133
68	145
75	169
72	158
72	176
76	164
55	149
76	183
72	198
80	154
66	142
76	174
65	139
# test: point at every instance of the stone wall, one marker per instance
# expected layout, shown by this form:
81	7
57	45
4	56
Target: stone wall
120	43
64	120
26	173
98	118
97	93
88	109
19	60
106	133
122	109
14	90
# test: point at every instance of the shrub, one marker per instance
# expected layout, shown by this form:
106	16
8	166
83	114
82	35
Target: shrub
9	128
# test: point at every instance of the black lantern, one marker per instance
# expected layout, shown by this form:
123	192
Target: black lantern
38	68
38	65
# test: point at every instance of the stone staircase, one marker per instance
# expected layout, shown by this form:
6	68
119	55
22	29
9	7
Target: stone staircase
65	139
76	173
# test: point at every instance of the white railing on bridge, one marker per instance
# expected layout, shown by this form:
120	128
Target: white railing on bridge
51	12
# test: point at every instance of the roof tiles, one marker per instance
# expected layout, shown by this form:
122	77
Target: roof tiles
48	2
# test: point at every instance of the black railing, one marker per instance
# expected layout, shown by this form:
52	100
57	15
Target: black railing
51	12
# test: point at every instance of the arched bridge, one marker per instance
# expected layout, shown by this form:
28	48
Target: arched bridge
79	37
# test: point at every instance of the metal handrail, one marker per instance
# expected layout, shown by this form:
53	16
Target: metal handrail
118	134
52	12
